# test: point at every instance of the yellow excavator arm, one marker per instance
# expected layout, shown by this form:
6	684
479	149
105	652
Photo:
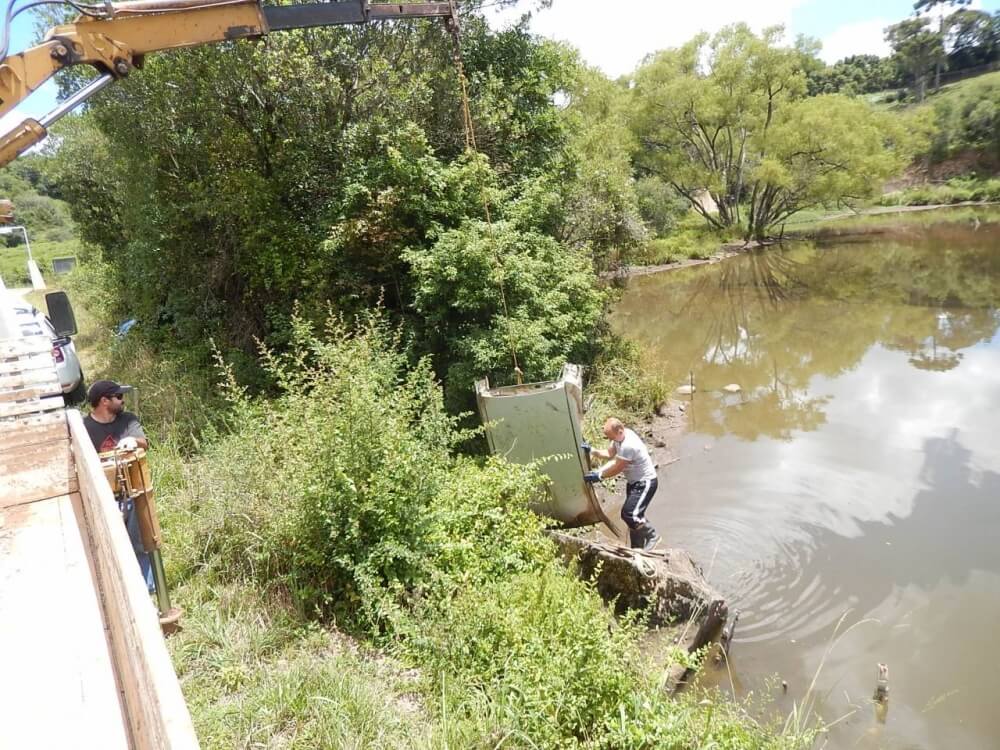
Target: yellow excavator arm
115	37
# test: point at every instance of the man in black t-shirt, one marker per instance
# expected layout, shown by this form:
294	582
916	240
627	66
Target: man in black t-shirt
111	428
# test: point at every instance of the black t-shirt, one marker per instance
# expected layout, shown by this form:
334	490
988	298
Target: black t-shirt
106	436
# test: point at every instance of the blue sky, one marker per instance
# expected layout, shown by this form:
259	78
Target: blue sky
615	40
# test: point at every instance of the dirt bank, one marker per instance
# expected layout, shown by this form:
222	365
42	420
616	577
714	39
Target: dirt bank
663	433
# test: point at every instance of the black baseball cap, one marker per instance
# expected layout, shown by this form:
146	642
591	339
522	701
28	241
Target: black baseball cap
101	388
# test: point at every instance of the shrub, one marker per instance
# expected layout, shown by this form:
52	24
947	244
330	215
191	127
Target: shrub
343	489
968	118
481	290
691	237
622	385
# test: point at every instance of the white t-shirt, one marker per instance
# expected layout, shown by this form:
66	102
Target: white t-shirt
632	449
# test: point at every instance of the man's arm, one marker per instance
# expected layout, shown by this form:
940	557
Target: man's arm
612	468
607	455
134	430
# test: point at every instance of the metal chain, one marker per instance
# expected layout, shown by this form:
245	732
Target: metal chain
470	145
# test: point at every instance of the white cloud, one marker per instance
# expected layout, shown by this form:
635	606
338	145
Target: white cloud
861	38
616	36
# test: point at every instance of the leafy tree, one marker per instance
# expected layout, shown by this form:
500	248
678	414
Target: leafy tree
589	201
299	167
857	74
821	150
695	127
741	131
928	6
485	292
973	39
918	49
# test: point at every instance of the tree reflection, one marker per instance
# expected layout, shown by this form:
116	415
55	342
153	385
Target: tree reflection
774	321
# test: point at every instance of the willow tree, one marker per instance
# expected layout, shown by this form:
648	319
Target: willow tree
728	116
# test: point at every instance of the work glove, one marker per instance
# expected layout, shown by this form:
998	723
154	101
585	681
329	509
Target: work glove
585	447
127	444
591	477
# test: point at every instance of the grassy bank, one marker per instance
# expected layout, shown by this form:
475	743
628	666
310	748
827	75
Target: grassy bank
957	190
350	580
692	237
882	220
14	260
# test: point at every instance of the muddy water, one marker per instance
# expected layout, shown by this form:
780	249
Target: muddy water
855	479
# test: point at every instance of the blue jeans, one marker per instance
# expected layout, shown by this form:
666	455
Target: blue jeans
127	507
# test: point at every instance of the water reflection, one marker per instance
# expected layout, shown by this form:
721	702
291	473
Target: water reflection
772	321
857	470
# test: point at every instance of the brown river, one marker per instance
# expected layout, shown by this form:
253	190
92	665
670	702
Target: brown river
847	499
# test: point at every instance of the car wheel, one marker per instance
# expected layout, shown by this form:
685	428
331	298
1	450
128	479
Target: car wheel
77	395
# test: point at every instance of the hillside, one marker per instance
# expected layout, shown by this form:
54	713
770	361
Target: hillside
45	217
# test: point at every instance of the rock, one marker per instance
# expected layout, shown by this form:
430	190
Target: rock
661	409
660	443
732	388
682	407
668	586
686	390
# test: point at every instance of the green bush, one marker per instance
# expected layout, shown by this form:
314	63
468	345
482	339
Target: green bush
343	488
968	118
481	290
543	649
623	386
690	237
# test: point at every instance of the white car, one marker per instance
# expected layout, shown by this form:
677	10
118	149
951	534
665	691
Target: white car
32	322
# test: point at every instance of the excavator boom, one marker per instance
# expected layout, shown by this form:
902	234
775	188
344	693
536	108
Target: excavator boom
116	41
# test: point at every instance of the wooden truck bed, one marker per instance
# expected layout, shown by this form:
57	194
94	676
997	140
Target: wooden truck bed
82	661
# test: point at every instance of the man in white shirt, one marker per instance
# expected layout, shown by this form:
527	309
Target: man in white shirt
627	453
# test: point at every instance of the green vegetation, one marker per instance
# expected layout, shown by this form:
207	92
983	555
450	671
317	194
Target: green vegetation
774	151
967	119
690	237
14	259
339	500
45	217
854	75
925	54
307	225
958	190
887	220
